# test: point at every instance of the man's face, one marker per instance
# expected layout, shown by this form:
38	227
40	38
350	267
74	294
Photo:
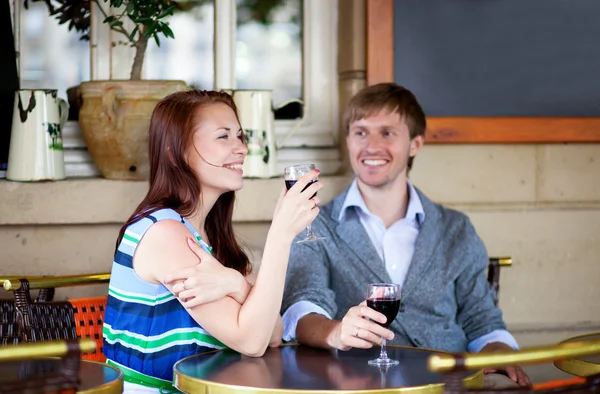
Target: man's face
379	147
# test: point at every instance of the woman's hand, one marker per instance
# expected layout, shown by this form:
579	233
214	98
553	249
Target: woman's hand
208	281
297	208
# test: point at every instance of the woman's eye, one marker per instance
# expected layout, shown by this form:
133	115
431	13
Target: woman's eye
223	136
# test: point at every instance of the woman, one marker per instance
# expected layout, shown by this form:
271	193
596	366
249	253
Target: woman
196	151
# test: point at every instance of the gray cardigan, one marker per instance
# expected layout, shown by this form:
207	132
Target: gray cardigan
446	301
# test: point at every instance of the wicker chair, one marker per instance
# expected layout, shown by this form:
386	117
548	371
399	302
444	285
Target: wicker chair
33	375
24	320
495	263
451	364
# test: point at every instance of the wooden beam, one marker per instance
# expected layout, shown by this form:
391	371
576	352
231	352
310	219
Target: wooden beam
380	41
512	130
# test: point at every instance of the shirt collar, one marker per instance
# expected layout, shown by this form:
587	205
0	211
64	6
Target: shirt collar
354	199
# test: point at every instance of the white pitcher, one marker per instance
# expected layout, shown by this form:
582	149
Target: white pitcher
257	117
36	149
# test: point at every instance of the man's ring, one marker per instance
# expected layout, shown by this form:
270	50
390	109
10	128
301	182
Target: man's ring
357	330
183	285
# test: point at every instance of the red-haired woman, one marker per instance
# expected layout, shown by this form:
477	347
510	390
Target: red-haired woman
196	151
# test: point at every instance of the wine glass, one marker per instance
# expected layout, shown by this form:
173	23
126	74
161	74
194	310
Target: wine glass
385	299
291	176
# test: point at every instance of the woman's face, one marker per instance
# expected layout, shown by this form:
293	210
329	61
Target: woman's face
218	151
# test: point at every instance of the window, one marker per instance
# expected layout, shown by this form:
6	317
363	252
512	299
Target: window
290	48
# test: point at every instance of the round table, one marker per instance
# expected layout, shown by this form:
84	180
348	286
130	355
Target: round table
296	369
582	366
95	377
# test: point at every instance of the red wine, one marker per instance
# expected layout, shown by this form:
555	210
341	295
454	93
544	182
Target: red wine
386	306
290	183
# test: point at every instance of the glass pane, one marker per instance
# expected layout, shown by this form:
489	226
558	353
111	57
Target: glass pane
268	51
52	57
190	55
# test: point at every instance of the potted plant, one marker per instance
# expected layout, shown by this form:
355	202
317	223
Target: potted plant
115	114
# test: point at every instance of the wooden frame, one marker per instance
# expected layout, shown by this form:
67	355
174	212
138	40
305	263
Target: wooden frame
380	68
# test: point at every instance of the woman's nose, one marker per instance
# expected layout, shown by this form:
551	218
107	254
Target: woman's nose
241	148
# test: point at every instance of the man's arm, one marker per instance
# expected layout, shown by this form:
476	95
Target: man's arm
476	312
496	336
319	331
480	318
307	285
309	303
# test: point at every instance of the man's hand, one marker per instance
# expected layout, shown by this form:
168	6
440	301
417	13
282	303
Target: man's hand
514	372
356	330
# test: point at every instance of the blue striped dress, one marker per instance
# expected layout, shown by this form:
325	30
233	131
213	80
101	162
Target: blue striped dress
146	330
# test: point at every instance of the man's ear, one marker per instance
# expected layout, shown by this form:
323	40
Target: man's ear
416	144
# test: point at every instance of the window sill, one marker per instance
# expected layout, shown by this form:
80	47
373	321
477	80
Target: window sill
103	201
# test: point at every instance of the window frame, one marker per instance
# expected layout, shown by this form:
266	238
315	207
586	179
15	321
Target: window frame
319	127
315	139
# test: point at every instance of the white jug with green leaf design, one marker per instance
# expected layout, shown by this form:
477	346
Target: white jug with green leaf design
36	148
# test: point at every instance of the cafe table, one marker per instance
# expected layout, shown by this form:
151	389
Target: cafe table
95	377
301	369
581	366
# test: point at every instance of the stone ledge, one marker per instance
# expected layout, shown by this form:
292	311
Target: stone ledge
103	201
98	201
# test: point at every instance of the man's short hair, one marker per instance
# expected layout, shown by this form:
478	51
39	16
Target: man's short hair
395	98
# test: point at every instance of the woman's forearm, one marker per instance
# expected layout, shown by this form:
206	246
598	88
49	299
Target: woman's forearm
260	311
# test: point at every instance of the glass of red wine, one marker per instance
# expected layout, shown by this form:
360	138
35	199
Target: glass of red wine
291	176
385	299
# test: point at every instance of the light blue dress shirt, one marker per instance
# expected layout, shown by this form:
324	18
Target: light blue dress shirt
395	245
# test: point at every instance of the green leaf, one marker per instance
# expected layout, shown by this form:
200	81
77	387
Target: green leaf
132	35
116	24
167	12
156	39
167	30
143	20
109	19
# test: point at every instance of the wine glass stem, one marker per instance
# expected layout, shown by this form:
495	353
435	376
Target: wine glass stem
383	353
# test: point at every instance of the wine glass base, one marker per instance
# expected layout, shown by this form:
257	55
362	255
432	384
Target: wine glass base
310	239
383	362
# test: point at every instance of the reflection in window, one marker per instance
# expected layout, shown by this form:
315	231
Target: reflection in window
268	48
190	55
52	57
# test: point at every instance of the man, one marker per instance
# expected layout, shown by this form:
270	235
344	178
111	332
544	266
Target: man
383	229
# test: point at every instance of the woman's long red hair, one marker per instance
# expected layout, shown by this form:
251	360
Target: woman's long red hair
173	183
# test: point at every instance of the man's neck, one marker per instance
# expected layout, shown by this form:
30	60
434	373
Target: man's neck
388	202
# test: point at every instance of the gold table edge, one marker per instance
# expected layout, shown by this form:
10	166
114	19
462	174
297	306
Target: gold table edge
189	384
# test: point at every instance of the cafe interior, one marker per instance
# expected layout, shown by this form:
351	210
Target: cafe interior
511	94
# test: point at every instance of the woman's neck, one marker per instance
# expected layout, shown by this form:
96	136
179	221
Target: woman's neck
198	217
